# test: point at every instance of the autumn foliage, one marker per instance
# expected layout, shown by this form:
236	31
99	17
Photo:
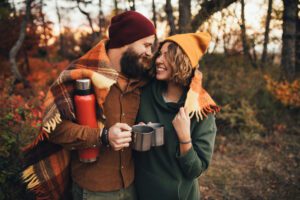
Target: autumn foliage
256	154
23	108
287	93
21	117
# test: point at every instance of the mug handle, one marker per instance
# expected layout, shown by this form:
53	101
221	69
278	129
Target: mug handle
134	136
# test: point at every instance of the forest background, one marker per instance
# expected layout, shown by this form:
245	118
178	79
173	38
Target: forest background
251	69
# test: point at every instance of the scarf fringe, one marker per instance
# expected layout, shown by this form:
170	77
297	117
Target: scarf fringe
194	109
200	114
191	102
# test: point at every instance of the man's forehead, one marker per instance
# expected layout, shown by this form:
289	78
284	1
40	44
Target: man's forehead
146	40
149	39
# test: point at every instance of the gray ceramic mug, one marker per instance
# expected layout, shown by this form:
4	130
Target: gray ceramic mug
142	137
158	135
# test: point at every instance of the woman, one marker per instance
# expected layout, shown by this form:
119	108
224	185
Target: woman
176	99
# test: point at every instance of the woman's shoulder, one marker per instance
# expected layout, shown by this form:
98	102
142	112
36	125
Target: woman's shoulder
208	121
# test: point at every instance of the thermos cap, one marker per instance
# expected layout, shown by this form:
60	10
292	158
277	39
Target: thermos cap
83	84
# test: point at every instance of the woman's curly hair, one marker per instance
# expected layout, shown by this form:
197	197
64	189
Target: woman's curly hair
179	61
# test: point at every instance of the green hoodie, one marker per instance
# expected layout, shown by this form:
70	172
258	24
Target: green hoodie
162	173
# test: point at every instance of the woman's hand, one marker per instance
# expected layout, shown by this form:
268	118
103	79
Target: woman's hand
182	124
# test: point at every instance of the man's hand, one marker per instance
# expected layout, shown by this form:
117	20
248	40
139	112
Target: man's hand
119	136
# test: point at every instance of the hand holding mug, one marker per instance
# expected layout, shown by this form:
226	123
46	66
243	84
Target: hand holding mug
119	136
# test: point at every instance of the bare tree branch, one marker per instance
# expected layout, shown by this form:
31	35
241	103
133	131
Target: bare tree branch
61	37
288	57
101	18
185	14
267	30
17	77
207	9
244	36
87	16
116	7
170	17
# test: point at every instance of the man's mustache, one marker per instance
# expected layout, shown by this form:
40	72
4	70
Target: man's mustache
146	59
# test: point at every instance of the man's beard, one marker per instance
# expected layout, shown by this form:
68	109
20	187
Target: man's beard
134	66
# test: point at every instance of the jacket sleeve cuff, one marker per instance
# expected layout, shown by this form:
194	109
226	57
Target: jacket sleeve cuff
93	138
186	159
189	163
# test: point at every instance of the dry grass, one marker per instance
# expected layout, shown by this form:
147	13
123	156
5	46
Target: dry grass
260	168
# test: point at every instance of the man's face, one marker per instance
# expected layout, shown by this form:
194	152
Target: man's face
136	60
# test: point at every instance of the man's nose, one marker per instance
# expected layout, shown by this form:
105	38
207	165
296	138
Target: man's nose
149	52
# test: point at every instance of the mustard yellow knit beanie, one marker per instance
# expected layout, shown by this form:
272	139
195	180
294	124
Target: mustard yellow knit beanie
194	45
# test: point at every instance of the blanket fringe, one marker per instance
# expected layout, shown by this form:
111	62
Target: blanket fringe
29	177
45	130
51	124
33	184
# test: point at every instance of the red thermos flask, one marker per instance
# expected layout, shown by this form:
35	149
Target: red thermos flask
85	107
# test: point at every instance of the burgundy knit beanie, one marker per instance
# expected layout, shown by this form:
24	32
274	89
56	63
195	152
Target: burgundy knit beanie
127	28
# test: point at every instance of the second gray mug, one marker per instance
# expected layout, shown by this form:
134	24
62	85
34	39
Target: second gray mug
158	135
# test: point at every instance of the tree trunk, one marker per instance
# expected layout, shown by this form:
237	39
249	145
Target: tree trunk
45	40
14	8
244	36
17	76
207	9
131	4
88	17
170	17
154	19
61	37
267	30
101	19
184	22
288	57
298	46
26	62
225	39
116	7
253	51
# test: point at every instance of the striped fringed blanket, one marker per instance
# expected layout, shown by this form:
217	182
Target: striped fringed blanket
46	165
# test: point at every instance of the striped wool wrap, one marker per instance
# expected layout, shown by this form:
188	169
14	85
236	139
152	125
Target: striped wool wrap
46	165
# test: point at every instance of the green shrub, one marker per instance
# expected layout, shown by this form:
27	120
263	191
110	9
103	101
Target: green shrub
240	117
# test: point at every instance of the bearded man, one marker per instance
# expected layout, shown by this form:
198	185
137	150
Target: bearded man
117	69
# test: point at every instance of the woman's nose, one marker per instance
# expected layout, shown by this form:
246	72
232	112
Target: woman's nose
158	60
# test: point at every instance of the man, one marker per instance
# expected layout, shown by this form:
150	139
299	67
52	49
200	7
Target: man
116	68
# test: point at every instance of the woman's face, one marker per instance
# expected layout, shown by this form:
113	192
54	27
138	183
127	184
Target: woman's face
163	68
